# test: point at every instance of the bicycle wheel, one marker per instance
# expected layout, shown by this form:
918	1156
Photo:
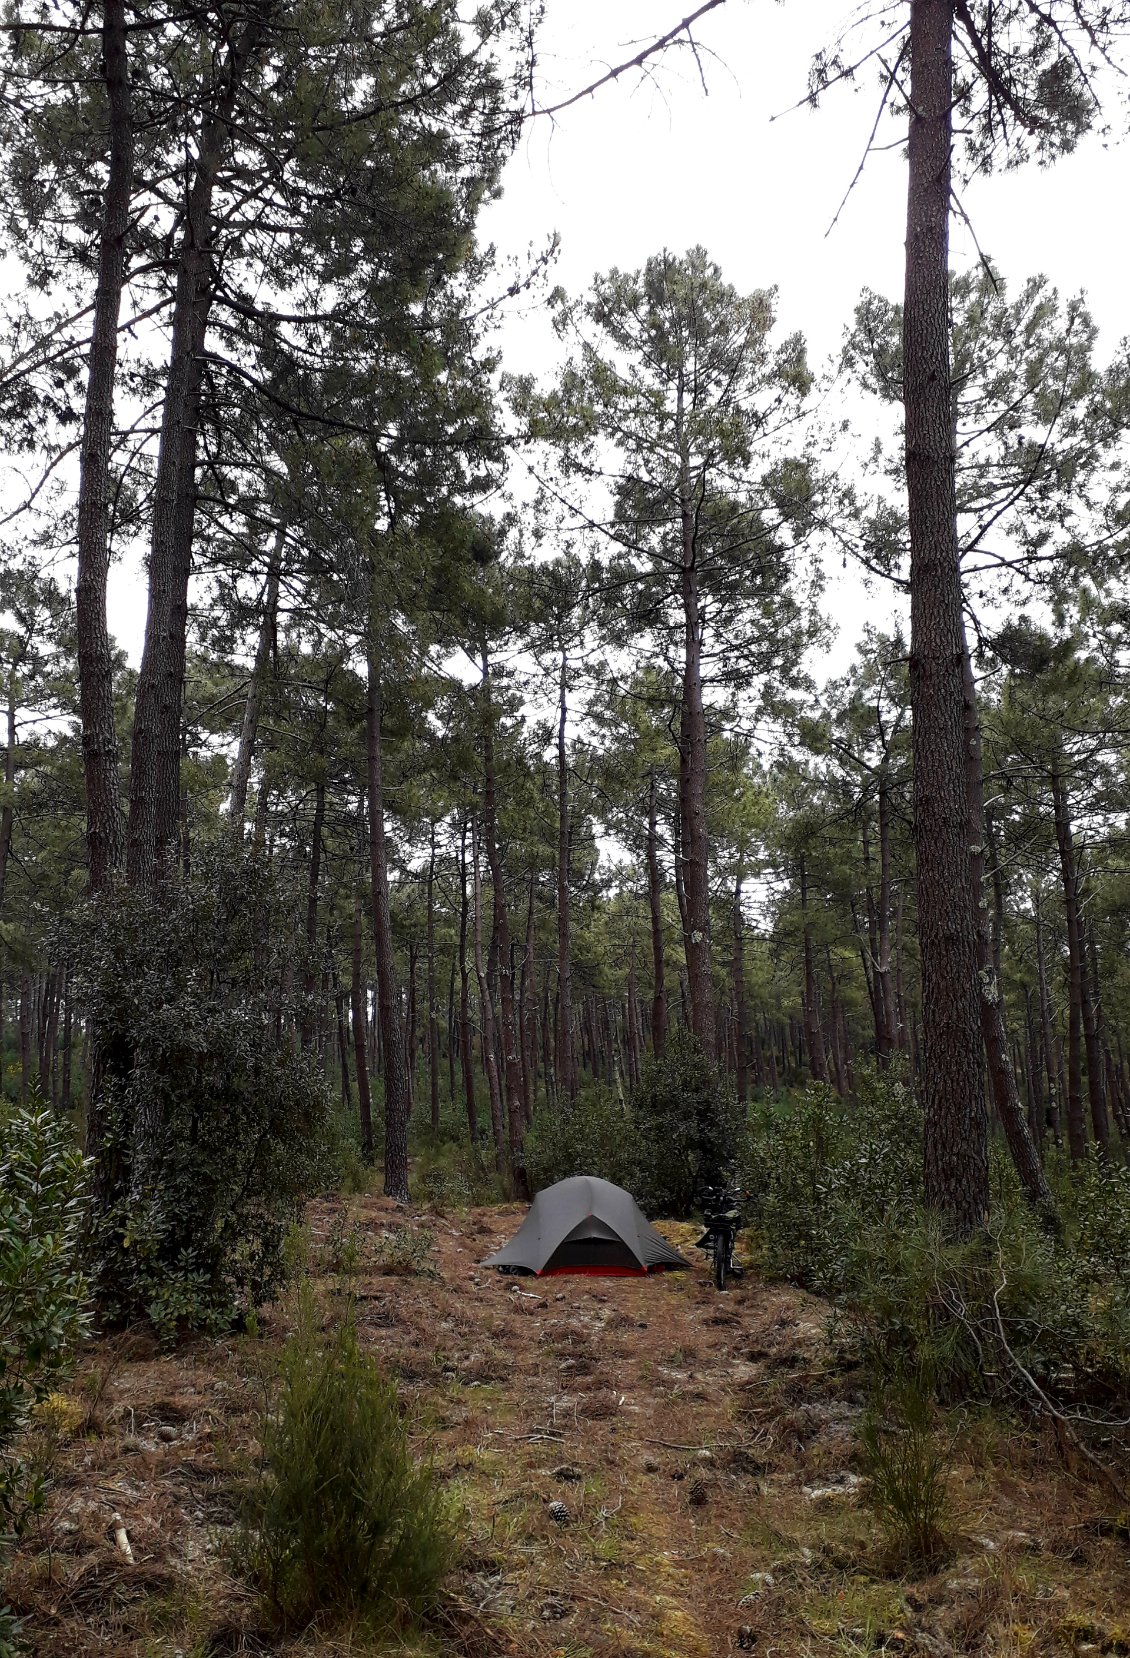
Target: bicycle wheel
720	1254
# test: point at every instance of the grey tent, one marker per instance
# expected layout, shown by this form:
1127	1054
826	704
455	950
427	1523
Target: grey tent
586	1225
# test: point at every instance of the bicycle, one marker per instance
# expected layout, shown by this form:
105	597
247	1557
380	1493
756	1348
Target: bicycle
722	1219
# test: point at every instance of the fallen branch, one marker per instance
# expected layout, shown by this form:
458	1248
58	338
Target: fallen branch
1063	1427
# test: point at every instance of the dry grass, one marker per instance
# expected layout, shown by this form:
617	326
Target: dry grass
679	1429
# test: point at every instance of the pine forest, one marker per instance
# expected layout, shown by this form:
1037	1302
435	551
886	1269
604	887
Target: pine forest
676	777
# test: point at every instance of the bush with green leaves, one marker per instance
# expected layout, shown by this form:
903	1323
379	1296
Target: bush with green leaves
596	1135
43	1296
818	1167
686	1127
838	1206
216	1122
341	1519
453	1174
675	1135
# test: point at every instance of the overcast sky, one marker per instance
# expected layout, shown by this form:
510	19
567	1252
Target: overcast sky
658	162
655	161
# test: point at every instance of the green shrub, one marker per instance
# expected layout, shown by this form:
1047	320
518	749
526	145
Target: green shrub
674	1136
345	1168
454	1174
817	1168
341	1519
837	1205
344	1248
216	1119
43	1299
405	1252
596	1135
686	1127
905	1464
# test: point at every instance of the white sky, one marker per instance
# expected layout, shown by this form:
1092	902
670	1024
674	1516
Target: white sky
653	162
648	163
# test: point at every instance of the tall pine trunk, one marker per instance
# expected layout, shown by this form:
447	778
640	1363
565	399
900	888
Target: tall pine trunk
994	1032
956	1124
1076	1125
7	813
741	1038
253	703
694	846
392	1033
466	1049
104	835
566	1061
430	991
486	1013
655	910
155	753
357	1021
529	1015
883	975
511	1058
313	877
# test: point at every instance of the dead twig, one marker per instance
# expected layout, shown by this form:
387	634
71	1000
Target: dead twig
1063	1427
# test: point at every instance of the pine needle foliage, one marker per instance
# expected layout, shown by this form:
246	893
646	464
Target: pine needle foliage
342	1522
905	1463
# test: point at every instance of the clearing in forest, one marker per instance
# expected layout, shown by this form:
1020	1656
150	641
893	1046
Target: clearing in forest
643	1469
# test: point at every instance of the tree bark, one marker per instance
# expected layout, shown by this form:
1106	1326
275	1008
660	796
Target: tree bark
655	907
249	730
392	1034
510	1056
632	1031
104	827
692	771
7	814
1037	1111
876	988
410	1023
566	1060
466	1049
314	872
25	1037
1096	1067
529	1016
486	1010
451	1033
433	1024
741	1040
994	1031
156	743
1076	1125
889	1002
956	1125
68	1046
342	1034
357	1020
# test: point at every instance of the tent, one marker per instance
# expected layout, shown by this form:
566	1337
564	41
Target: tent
586	1225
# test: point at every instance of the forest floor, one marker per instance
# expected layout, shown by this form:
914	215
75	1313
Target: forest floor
705	1449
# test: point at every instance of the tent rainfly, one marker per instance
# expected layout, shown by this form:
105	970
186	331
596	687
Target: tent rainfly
586	1225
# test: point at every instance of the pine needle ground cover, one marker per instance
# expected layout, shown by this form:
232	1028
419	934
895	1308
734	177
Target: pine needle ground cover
706	1453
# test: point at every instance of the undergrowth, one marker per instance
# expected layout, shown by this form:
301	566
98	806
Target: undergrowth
1016	1313
665	1143
905	1462
341	1520
44	1316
